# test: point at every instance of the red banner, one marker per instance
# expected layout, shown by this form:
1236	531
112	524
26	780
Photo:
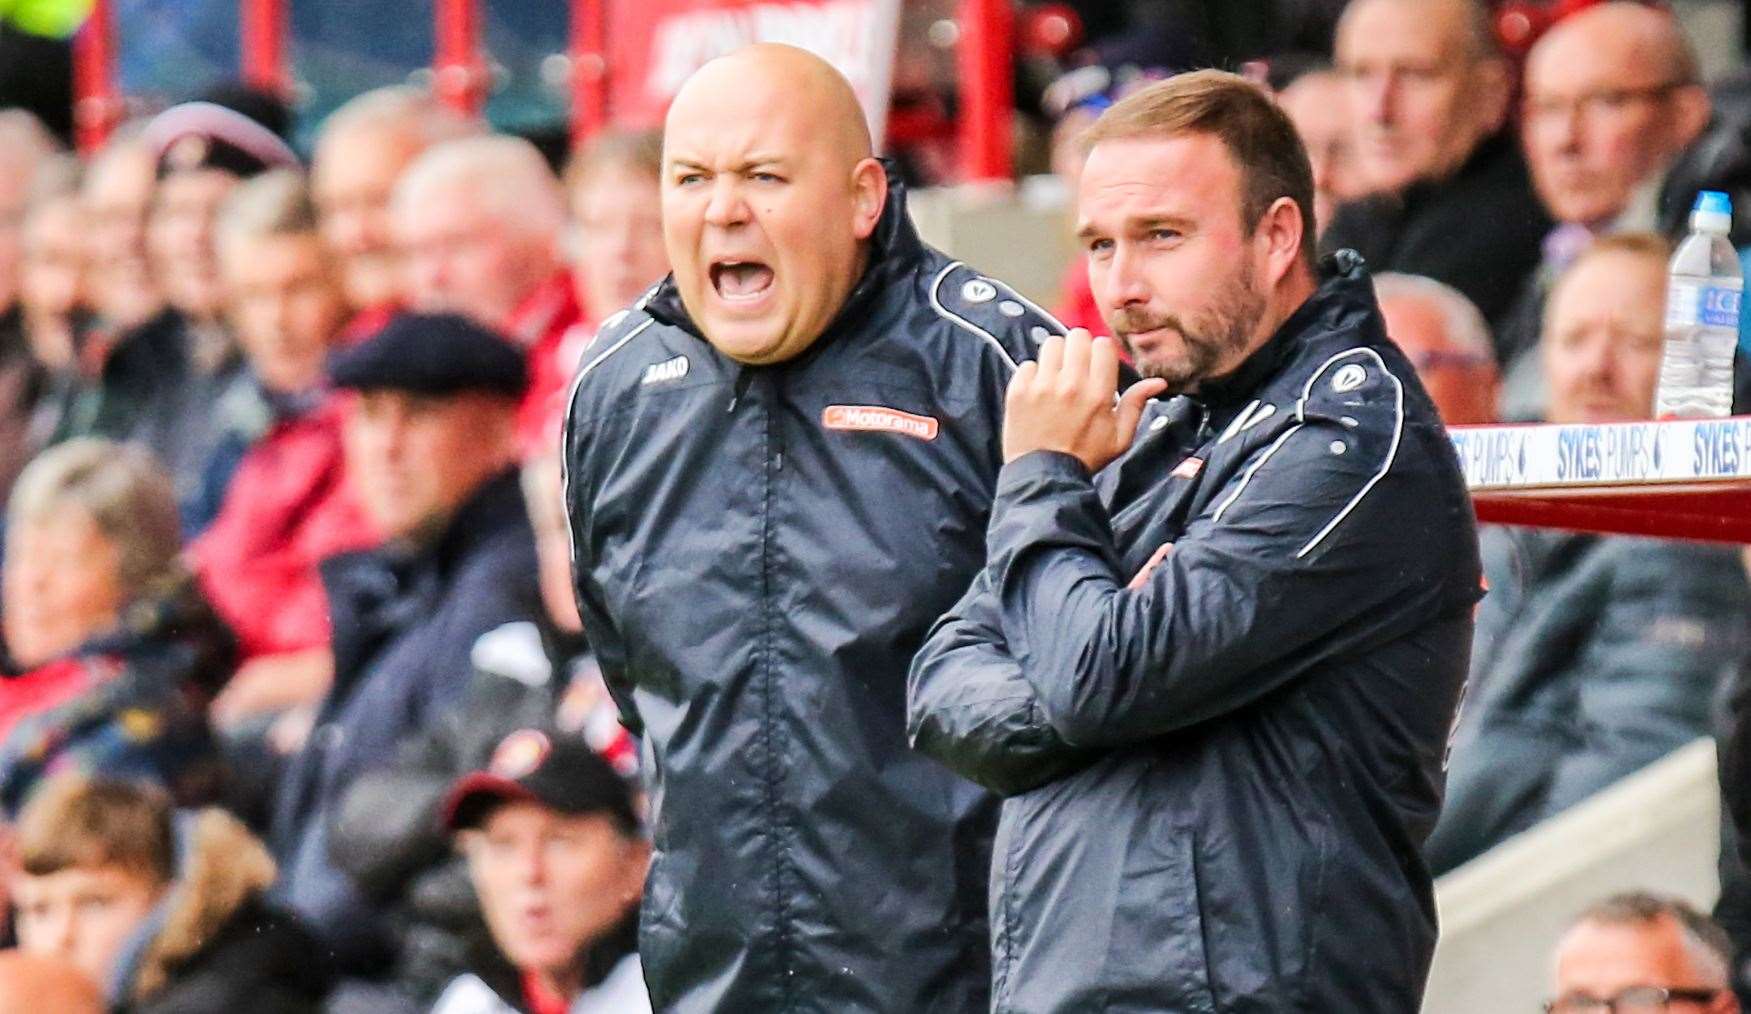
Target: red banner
653	45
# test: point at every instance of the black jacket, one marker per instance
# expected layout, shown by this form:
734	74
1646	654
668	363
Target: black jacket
404	629
1480	232
759	553
1594	657
387	835
1219	780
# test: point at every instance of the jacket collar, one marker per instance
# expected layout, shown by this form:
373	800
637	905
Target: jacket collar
1344	298
895	250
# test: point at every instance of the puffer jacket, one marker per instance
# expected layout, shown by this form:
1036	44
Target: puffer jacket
759	551
213	945
1216	684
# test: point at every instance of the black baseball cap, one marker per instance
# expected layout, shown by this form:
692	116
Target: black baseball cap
555	769
432	353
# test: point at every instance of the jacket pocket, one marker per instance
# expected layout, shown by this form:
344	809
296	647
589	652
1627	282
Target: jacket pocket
1156	958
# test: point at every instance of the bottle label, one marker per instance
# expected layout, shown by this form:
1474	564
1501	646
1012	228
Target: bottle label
1689	305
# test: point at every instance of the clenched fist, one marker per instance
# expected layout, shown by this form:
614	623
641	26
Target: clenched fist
1064	402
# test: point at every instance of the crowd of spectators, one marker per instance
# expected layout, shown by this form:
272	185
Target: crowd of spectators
297	705
285	559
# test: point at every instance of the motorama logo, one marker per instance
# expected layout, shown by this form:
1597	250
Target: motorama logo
879	419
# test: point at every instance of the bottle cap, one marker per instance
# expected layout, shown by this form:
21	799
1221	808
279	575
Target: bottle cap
1713	201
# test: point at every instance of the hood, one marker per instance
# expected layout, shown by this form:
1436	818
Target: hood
220	868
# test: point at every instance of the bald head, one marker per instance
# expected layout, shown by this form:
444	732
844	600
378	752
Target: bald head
1612	97
1637	36
770	78
770	196
31	982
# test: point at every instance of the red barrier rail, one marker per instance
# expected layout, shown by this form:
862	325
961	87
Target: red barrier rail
588	68
460	80
262	23
986	64
96	106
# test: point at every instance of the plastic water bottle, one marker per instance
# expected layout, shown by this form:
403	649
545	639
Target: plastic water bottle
1703	287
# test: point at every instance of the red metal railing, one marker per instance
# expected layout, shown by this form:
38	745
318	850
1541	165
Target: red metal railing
96	106
985	61
262	24
460	80
589	67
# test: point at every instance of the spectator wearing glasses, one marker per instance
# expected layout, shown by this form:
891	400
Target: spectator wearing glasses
1640	953
1594	655
1428	96
1447	341
1612	97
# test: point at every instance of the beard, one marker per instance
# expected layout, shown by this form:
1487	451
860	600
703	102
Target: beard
1207	338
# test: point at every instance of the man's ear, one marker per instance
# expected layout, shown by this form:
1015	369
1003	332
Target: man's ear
1279	232
1493	86
869	186
1691	106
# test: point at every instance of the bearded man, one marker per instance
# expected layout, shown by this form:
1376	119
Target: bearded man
1213	666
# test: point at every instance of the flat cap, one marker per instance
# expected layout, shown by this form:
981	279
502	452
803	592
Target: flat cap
432	353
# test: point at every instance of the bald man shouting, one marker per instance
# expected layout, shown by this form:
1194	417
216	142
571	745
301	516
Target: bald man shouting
780	465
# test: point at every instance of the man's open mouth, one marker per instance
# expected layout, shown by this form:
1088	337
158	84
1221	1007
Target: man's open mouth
740	281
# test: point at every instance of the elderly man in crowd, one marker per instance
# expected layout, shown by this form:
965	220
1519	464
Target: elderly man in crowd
1595	655
557	856
116	195
779	468
533	672
1447	340
288	503
1612	97
1642	952
361	151
480	223
165	377
1428	97
429	447
616	249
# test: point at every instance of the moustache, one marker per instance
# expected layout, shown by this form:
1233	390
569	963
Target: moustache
1126	323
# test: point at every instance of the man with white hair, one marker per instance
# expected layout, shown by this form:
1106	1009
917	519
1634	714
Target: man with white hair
480	221
1642	952
1612	98
1447	341
1428	93
362	149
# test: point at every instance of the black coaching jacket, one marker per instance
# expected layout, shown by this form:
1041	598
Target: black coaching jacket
759	552
1219	779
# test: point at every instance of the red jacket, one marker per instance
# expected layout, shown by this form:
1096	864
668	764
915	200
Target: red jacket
288	507
540	325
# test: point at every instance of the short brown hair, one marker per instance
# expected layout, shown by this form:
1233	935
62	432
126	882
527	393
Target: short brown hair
76	821
1257	133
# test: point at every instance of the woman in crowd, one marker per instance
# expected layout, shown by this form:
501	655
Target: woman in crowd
114	654
165	910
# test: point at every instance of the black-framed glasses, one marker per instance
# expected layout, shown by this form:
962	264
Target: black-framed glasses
1634	1000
